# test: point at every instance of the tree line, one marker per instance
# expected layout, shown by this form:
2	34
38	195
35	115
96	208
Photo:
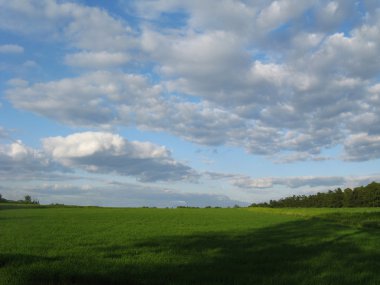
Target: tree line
27	200
363	196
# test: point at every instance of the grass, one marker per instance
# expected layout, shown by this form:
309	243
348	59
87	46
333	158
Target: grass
75	245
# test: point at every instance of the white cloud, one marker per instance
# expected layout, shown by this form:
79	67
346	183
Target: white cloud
83	27
361	147
95	152
109	153
115	98
10	48
353	55
86	100
279	12
95	29
206	59
18	161
97	60
201	123
17	151
83	144
274	77
234	14
298	122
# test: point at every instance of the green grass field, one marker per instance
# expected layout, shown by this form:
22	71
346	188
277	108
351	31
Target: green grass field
74	245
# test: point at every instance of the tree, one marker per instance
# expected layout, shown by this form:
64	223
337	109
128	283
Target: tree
28	199
347	198
338	197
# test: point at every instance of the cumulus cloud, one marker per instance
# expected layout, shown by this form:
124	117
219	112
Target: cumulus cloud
10	48
102	152
94	152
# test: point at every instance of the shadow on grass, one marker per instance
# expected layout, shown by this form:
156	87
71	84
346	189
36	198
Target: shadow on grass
369	220
23	259
314	251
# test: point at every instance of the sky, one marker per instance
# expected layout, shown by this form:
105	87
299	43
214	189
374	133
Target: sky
187	103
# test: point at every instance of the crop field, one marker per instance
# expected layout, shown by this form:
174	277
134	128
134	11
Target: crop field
89	245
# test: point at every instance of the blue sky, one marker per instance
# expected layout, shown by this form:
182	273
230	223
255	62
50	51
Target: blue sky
166	103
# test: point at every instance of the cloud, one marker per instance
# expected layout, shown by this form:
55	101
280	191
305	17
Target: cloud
18	161
88	100
117	195
193	56
277	78
362	147
301	104
83	27
96	60
10	48
201	123
94	152
300	156
246	182
293	182
279	186
279	12
102	152
108	98
95	29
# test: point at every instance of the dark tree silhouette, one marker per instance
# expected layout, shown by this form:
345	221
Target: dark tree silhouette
28	199
363	196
